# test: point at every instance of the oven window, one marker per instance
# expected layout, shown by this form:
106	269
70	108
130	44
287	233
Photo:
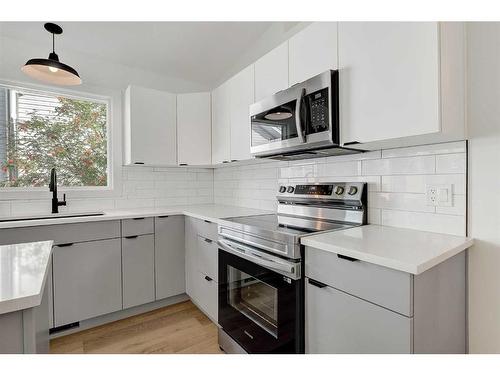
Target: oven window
255	299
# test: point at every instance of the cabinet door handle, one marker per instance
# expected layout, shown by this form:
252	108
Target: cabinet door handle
316	283
130	237
207	240
207	221
183	164
163	217
225	161
233	160
138	218
208	278
139	163
345	257
66	244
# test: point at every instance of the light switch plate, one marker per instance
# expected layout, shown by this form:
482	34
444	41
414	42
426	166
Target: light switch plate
439	195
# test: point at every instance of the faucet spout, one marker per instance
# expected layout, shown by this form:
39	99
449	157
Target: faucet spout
53	188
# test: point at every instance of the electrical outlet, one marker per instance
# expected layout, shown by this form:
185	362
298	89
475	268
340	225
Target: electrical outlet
439	195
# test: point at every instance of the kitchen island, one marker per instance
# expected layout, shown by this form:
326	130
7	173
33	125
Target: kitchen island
24	310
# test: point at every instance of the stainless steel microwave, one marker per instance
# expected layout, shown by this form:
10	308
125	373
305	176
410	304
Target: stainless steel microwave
299	122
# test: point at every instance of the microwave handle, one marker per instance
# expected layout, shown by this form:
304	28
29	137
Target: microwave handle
298	120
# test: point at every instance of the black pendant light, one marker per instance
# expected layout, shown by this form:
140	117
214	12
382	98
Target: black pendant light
51	70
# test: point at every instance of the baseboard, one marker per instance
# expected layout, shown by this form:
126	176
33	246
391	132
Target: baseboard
122	314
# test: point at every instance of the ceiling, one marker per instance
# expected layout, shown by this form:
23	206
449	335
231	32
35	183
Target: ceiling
201	52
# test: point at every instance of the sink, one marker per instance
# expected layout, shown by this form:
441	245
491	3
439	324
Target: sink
51	216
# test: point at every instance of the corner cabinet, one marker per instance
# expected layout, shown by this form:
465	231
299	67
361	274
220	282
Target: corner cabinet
221	125
150	127
194	129
401	83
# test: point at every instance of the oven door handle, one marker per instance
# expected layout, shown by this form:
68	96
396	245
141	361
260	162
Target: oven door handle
282	267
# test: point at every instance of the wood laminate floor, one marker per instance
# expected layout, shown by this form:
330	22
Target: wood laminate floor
180	328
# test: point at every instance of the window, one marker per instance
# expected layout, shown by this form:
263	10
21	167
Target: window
43	130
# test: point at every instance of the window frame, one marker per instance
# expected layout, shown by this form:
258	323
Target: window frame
113	101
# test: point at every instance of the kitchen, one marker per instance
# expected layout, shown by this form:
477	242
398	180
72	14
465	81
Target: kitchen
316	187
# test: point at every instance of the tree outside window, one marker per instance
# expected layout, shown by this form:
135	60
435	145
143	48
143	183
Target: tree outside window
40	131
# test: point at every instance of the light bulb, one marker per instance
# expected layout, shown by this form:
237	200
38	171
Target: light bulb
53	70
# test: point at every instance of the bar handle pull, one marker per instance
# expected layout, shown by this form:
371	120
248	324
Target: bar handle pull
316	283
345	257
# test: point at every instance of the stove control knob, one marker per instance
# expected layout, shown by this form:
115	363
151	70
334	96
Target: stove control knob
339	190
290	189
282	189
352	190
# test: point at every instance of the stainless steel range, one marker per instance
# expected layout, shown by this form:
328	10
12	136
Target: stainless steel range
261	286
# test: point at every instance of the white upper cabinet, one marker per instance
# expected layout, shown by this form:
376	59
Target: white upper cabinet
271	72
194	129
312	51
221	125
241	92
399	82
150	127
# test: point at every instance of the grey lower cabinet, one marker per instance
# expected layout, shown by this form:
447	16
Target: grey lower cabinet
352	306
340	323
86	280
138	263
169	256
201	265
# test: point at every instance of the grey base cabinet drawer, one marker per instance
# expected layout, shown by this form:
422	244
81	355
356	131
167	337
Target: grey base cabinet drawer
383	286
137	226
138	270
337	322
205	228
206	295
169	256
62	233
207	257
87	280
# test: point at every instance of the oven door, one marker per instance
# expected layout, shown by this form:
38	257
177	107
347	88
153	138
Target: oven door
259	308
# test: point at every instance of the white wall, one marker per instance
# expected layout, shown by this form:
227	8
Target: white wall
396	183
484	186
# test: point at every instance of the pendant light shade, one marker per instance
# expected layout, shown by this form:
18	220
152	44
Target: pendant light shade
51	70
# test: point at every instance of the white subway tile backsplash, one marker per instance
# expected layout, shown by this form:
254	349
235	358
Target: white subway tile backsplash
435	149
417	183
396	183
409	165
452	163
399	201
431	222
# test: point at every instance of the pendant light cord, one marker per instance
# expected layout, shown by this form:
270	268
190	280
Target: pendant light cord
53	43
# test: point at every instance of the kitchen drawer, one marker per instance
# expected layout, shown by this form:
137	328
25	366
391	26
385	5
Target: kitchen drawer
207	295
383	286
207	257
62	233
137	226
206	229
336	323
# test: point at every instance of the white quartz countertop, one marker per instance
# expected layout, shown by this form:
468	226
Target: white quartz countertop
401	249
212	212
23	272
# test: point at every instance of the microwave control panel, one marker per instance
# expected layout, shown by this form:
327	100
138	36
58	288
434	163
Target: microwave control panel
318	111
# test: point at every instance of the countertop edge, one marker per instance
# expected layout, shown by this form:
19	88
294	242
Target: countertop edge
414	269
27	302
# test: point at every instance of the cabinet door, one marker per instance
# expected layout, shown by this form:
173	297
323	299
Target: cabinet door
169	256
389	80
191	246
208	296
87	280
337	322
271	72
241	89
138	270
221	125
150	131
313	51
194	129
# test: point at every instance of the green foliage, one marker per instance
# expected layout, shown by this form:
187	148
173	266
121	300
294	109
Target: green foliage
74	141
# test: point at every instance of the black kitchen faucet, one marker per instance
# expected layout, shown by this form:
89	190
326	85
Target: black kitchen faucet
53	189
